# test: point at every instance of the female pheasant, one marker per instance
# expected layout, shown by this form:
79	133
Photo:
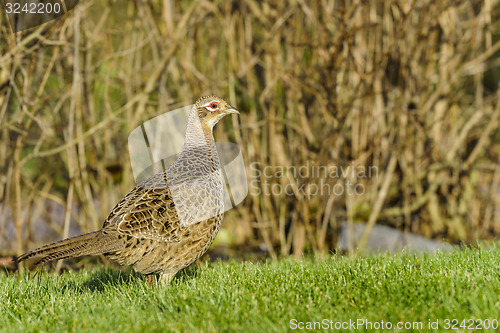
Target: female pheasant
168	221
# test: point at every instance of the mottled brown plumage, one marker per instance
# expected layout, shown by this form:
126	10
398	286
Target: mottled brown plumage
168	221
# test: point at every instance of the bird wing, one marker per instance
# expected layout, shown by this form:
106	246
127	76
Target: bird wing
147	211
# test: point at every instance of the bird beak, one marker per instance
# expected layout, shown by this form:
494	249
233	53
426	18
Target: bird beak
231	109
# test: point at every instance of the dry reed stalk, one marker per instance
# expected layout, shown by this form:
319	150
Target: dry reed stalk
409	87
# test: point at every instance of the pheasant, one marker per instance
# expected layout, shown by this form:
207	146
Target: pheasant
168	221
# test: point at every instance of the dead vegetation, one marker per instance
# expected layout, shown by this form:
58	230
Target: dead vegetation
407	87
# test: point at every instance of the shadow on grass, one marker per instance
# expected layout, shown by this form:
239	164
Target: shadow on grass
106	279
188	273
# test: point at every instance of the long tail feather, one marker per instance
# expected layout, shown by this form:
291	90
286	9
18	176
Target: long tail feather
87	244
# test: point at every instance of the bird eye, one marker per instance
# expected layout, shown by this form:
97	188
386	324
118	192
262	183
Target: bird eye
212	106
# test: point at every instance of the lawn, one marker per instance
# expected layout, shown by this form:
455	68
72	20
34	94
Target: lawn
458	290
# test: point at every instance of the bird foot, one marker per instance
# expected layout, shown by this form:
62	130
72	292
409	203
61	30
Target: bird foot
162	281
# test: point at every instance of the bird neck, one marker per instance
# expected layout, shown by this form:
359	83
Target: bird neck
199	140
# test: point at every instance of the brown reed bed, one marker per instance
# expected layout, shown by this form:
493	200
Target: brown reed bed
407	88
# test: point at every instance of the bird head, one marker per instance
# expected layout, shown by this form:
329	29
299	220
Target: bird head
211	109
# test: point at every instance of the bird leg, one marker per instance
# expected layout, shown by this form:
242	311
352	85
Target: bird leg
165	278
162	281
150	279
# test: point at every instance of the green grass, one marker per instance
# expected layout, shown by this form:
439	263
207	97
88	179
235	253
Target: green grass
261	297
